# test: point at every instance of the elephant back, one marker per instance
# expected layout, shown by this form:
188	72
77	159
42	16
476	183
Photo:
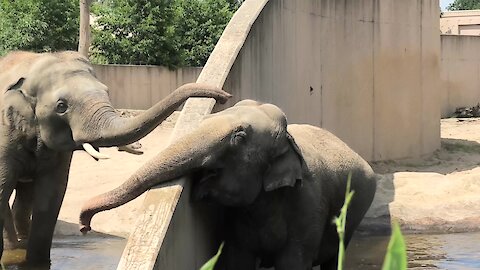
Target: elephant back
325	152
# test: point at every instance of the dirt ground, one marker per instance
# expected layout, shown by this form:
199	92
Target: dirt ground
436	193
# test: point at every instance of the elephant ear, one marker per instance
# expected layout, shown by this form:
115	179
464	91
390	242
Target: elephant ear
286	169
17	111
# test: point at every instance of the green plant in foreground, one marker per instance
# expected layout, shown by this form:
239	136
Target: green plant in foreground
211	263
341	222
396	257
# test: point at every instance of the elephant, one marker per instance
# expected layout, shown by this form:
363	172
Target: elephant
281	186
51	105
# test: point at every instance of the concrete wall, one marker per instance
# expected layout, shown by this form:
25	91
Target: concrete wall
463	22
367	70
139	87
460	72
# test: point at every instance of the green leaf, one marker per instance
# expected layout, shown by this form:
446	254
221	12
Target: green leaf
211	263
341	222
396	257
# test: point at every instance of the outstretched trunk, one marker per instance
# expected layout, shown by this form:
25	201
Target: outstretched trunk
106	128
194	150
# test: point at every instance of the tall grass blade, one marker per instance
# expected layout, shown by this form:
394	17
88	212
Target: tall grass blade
341	222
396	257
211	263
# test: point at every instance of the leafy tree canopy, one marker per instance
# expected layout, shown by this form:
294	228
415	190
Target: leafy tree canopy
199	26
464	5
158	32
38	25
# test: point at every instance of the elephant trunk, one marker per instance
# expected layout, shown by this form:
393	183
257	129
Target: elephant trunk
192	151
109	129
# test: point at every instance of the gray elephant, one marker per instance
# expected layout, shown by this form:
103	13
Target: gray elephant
281	186
51	105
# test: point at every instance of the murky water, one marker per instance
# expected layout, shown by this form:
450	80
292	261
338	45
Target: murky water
76	253
446	251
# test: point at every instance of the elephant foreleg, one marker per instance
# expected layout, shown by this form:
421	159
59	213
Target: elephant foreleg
7	183
49	189
22	210
233	258
9	232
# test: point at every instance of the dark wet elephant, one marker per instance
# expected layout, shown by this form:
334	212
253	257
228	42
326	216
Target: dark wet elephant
282	186
51	105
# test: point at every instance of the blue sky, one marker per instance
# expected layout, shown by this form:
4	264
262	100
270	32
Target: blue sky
445	3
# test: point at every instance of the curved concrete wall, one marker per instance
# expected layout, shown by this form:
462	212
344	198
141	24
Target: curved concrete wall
460	72
367	70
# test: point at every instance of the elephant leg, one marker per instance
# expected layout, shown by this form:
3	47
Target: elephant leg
292	257
49	189
22	210
331	264
234	258
9	232
7	183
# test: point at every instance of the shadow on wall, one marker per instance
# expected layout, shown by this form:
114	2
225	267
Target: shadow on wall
378	219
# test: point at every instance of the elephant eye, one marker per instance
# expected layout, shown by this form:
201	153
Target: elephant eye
239	137
61	106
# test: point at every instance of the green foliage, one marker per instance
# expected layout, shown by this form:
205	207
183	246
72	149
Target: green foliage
396	257
135	32
35	25
158	32
341	221
199	26
464	5
211	263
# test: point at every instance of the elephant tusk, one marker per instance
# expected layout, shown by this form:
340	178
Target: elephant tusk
94	153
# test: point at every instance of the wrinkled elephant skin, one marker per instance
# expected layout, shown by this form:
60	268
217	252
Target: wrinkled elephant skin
51	105
281	186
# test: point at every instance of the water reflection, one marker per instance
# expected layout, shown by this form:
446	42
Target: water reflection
445	251
75	253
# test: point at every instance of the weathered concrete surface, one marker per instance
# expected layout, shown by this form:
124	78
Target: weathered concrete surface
435	193
362	69
460	72
140	87
427	202
367	70
173	233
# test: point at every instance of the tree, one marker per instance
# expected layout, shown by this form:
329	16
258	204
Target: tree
464	5
158	32
199	25
134	32
35	25
84	37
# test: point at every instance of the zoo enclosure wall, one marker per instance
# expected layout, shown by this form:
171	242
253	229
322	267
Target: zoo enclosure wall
460	72
367	70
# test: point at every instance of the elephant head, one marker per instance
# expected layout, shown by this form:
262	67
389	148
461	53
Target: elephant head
232	157
67	107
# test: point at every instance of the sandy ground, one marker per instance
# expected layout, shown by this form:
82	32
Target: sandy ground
436	193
